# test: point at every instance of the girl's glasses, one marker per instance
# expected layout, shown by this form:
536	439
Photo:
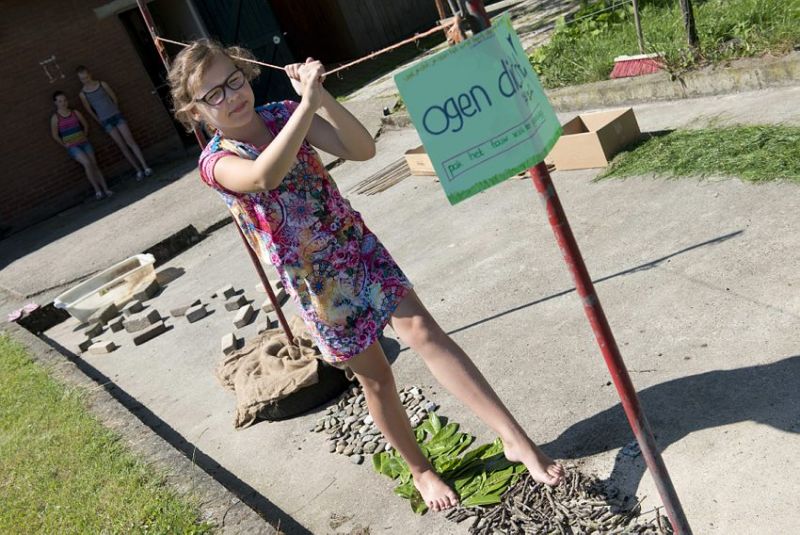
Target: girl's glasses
216	94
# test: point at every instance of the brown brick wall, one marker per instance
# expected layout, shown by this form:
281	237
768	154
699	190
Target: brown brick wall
39	179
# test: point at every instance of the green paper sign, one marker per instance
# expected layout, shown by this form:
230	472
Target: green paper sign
480	111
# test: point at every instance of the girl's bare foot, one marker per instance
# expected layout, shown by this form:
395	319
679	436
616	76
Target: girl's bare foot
541	467
435	492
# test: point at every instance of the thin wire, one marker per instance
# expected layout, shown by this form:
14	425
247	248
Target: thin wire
593	13
416	37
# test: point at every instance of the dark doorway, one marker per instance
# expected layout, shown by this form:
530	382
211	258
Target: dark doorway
140	37
252	25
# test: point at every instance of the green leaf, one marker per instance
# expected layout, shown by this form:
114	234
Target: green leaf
482	499
436	424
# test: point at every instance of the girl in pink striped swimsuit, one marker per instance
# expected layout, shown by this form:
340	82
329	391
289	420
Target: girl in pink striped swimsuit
69	129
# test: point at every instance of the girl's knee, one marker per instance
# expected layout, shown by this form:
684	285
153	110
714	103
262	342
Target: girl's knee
422	330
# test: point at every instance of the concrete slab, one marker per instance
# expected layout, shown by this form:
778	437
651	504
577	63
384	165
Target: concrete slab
698	279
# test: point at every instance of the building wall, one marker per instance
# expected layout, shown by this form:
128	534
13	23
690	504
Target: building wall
39	179
374	25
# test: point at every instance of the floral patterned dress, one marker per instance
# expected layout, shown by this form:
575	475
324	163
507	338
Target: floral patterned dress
337	271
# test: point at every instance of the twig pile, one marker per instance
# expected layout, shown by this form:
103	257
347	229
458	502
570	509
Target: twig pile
580	505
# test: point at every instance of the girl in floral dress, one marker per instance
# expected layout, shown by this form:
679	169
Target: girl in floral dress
263	164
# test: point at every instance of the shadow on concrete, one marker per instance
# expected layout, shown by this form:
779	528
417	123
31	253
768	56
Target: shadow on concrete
126	192
271	513
766	394
391	348
641	267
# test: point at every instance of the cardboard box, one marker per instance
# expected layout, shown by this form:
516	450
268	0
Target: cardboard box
419	162
592	139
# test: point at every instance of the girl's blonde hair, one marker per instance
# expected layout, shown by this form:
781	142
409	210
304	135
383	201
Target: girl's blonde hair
191	64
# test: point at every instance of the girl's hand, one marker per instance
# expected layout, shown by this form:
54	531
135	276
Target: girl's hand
306	79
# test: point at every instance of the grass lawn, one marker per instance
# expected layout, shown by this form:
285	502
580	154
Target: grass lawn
61	471
584	50
752	153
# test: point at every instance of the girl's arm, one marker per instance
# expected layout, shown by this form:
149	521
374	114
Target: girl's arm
54	130
83	121
88	106
110	92
268	170
341	134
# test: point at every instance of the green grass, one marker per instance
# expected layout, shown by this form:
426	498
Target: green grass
63	472
584	51
752	153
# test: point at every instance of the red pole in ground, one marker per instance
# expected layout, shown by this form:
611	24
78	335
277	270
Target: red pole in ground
201	140
608	346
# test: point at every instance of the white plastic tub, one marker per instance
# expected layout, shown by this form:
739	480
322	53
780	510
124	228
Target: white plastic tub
116	284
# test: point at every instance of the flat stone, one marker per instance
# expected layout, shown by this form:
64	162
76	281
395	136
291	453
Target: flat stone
357	459
415	392
431	406
148	291
370	447
85	345
230	343
196	313
358	450
95	330
244	316
141	321
266	325
149	333
348	450
340	447
414	421
116	324
235	303
132	308
274	283
368	419
387	447
267	307
332	447
102	347
181	310
226	292
105	314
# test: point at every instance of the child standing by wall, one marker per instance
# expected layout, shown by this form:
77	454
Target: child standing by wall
102	104
69	129
346	283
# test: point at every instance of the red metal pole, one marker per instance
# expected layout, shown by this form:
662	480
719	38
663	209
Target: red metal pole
201	140
608	346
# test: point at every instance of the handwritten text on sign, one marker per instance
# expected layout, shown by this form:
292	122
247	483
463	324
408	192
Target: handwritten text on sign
480	111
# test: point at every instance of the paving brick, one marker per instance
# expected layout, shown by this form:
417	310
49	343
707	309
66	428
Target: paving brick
106	314
102	347
116	325
236	303
274	283
94	330
266	324
195	313
85	345
181	310
244	316
226	292
132	308
141	321
281	296
149	333
148	292
229	343
267	306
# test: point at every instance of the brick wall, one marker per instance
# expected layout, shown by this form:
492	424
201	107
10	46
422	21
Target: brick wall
39	179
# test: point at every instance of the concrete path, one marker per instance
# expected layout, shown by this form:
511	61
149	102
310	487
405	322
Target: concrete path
698	279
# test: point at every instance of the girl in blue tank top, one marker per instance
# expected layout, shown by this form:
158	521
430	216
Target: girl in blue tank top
102	104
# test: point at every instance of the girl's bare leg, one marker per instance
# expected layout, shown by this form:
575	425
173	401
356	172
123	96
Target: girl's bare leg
375	375
84	160
458	374
128	137
101	180
116	135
